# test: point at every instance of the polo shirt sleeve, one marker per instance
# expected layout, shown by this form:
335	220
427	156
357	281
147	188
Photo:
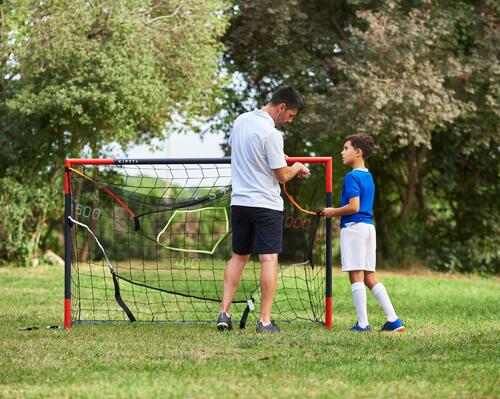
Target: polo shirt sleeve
274	150
352	186
230	140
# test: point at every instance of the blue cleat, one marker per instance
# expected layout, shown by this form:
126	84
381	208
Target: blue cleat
357	328
396	326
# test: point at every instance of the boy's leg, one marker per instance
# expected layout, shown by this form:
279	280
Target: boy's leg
232	277
380	293
370	279
356	278
268	281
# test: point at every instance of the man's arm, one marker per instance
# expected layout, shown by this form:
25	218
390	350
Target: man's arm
287	173
349	209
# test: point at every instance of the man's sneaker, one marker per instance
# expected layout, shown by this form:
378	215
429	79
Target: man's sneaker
357	328
396	326
270	328
224	322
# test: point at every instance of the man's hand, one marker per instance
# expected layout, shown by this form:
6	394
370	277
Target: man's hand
287	173
303	172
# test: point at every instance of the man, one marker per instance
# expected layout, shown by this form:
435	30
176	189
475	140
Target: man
258	165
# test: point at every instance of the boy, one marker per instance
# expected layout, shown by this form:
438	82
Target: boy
357	234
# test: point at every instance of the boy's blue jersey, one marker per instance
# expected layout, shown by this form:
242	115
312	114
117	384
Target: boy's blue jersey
358	183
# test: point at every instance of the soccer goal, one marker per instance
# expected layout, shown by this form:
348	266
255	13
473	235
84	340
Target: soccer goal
148	240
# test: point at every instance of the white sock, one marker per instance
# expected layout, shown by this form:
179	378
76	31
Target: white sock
383	299
265	323
359	297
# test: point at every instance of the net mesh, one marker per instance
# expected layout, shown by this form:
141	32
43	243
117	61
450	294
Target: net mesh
158	238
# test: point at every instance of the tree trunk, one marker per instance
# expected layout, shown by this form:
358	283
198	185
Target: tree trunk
382	237
422	154
411	184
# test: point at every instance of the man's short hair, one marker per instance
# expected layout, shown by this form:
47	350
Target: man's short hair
363	142
289	96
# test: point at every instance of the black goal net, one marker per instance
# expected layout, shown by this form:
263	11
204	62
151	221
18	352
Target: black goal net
150	243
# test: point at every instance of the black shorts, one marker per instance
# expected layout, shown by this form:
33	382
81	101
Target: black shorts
260	226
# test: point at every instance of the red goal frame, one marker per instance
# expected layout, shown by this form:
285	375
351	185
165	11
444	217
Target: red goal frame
327	161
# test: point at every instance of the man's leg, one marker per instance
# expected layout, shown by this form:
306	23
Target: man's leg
232	277
268	281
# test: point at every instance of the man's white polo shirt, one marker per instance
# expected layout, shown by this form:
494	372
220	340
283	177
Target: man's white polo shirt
256	149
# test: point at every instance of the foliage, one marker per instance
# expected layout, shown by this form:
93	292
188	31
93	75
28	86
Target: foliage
465	156
78	75
94	72
428	98
24	210
422	77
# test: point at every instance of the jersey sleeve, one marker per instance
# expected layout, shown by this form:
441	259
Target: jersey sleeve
352	186
274	151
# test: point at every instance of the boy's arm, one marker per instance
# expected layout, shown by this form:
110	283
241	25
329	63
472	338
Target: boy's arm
349	209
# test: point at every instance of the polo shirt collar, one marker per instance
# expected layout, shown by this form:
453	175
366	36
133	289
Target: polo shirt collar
264	114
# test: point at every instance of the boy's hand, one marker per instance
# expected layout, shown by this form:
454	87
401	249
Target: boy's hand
328	212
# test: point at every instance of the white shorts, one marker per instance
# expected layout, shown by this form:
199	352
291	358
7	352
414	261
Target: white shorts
358	245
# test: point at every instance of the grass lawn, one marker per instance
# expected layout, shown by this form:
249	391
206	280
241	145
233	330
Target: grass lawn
451	348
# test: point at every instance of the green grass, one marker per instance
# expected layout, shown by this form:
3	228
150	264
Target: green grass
451	348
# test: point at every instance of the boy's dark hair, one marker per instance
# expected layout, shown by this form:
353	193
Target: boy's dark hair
289	96
363	142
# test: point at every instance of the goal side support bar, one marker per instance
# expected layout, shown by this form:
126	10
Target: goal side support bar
67	248
327	161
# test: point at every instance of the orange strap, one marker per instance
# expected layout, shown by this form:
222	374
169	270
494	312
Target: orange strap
132	215
297	205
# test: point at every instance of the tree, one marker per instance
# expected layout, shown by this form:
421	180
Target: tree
430	77
465	173
93	72
80	74
420	76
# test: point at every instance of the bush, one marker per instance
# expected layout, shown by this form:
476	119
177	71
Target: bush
23	212
454	247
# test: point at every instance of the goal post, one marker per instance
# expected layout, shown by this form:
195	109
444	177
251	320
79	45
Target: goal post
148	240
327	161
